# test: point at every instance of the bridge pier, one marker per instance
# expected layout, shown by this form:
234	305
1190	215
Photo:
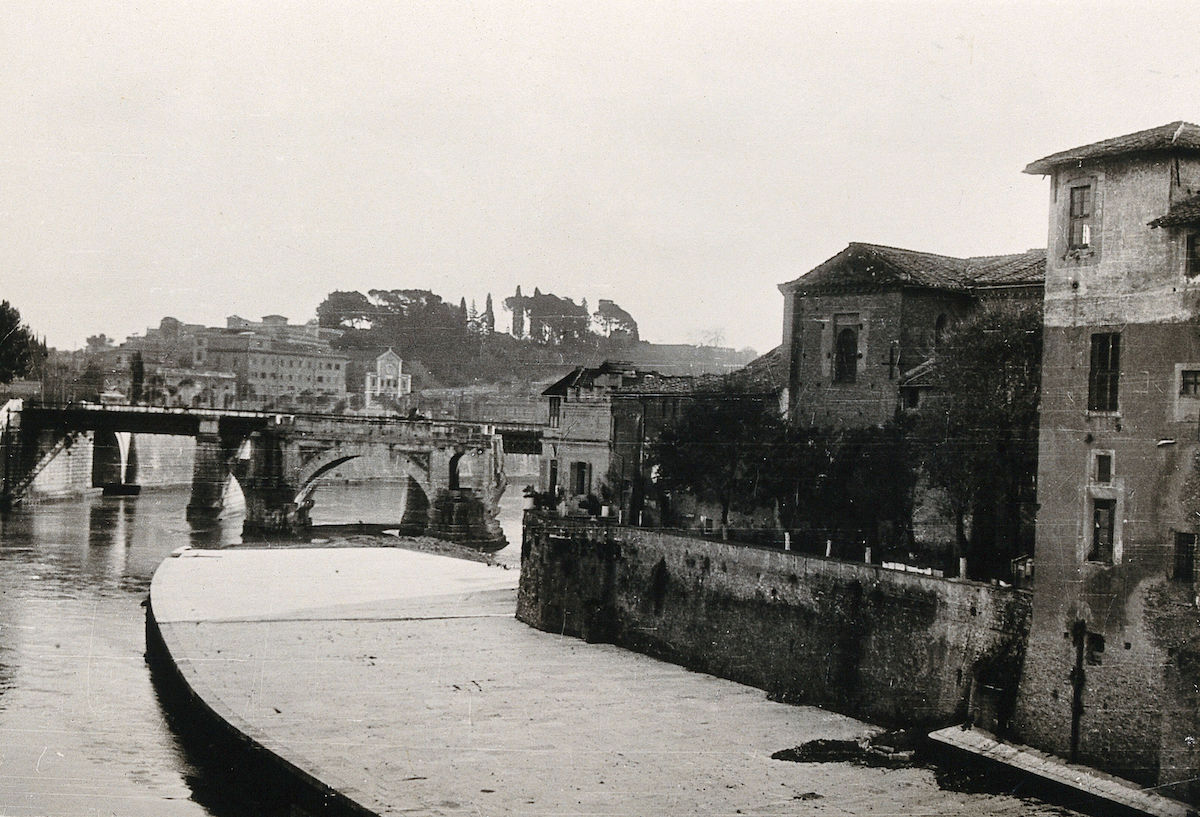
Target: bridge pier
210	472
459	515
271	506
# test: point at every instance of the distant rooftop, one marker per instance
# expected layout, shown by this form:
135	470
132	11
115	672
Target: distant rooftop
1182	213
1172	136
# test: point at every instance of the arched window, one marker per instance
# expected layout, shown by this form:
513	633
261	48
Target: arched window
939	329
845	364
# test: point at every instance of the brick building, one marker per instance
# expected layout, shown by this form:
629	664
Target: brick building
858	327
1113	658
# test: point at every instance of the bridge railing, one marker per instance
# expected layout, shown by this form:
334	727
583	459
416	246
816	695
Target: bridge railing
436	428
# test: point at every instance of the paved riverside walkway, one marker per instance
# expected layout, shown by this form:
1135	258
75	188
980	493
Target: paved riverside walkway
402	680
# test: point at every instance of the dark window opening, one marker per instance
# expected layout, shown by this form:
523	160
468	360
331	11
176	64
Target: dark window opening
939	330
1104	513
912	398
1192	257
1081	217
555	411
1095	649
552	478
1189	383
1185	556
1104	468
845	368
1104	373
581	478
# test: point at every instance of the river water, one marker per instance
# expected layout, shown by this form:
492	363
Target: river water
82	728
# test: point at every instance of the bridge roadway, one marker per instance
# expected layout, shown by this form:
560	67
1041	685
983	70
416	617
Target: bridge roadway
453	469
395	682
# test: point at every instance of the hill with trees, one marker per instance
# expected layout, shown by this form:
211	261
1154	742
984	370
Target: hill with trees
450	344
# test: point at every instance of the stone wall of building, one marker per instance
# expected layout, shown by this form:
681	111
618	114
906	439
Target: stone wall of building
871	398
893	647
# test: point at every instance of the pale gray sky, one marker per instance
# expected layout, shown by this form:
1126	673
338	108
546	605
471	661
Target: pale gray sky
202	159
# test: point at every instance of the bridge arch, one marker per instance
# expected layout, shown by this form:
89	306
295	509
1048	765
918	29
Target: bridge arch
130	474
324	462
106	459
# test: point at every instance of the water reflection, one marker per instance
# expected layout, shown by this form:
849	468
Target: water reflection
81	731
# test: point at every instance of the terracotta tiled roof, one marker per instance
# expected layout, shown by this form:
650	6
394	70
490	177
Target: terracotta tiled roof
766	373
665	384
1023	269
1183	212
874	265
1172	136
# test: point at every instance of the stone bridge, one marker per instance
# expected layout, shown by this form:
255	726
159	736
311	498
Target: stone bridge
454	471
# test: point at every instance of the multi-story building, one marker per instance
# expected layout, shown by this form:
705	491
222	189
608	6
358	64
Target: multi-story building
268	369
857	328
603	422
1113	658
575	445
169	386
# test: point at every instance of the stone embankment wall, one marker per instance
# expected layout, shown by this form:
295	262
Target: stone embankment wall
163	460
896	648
68	474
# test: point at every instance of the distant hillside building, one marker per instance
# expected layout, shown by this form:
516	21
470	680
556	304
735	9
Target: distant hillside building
858	326
1113	659
267	369
385	382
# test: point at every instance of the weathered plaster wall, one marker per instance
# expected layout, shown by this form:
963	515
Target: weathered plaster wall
893	647
1131	707
1133	700
1127	258
582	436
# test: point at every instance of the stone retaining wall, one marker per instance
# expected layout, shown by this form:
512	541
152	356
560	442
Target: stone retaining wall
892	647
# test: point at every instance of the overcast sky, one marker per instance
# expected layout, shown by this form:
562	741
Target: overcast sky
204	159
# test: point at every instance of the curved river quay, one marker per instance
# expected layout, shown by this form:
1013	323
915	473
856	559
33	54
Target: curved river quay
399	679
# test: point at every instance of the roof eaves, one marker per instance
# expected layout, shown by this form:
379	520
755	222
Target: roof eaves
1174	135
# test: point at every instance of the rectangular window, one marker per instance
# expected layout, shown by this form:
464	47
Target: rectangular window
1104	468
845	348
1104	513
1189	383
581	478
555	411
1081	217
1192	257
552	477
1185	556
1104	373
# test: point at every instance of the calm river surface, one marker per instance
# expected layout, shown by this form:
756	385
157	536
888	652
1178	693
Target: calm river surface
82	730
